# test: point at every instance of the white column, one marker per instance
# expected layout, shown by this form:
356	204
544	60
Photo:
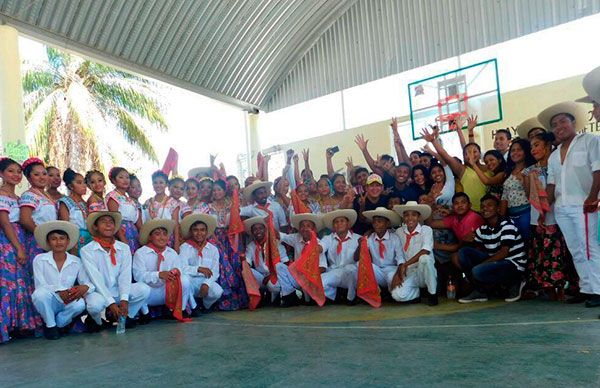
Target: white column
253	140
12	119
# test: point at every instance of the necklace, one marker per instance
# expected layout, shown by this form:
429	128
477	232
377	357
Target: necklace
78	203
42	194
153	210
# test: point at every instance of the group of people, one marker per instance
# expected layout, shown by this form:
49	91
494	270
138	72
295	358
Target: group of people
519	220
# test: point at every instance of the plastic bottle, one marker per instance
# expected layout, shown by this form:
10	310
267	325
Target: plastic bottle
451	289
121	325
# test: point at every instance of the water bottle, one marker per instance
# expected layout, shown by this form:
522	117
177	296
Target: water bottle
121	325
450	289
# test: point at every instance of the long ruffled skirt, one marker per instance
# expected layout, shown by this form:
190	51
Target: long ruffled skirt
132	235
234	296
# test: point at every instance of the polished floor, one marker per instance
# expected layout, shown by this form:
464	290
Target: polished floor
524	344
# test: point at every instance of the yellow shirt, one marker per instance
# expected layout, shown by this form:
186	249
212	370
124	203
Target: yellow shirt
473	187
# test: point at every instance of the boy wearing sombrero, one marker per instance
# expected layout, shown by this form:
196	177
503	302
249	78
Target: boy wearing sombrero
417	243
200	258
108	265
573	186
340	247
257	195
56	297
591	85
256	227
154	262
384	245
306	224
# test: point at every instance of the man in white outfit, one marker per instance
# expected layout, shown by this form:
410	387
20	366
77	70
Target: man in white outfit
573	186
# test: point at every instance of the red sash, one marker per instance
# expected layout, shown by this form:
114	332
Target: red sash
366	287
306	271
170	164
174	296
236	225
252	286
299	206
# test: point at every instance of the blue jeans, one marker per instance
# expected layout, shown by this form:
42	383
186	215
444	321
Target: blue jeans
521	217
501	272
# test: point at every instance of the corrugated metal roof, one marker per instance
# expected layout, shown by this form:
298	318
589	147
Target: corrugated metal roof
269	54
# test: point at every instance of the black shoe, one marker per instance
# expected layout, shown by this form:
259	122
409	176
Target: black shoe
91	326
417	300
51	333
352	302
290	300
144	319
514	294
579	298
594	301
275	302
432	300
130	323
195	312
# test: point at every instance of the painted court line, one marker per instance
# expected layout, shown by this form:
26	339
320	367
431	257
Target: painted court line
424	326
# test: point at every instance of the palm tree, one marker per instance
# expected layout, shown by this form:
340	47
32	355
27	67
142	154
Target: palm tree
75	109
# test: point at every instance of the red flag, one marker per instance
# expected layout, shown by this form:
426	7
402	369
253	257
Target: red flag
260	164
236	225
306	271
174	296
299	206
367	288
252	287
170	164
272	257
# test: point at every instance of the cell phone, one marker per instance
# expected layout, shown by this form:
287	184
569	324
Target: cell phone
334	149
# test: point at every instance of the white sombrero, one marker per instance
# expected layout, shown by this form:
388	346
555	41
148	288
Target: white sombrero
199	170
41	233
591	85
188	221
248	190
316	219
423	210
250	222
93	216
527	125
152	225
349	214
385	213
576	110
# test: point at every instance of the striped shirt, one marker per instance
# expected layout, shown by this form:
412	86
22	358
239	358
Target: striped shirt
505	234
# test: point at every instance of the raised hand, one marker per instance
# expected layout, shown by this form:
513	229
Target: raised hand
289	154
350	163
305	154
328	153
361	142
394	124
428	136
296	158
471	122
212	159
459	123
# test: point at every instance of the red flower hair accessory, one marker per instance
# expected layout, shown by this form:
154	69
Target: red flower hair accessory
31	161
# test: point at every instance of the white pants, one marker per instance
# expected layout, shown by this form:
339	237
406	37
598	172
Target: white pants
53	310
344	277
420	274
157	295
214	290
274	289
571	221
138	294
384	275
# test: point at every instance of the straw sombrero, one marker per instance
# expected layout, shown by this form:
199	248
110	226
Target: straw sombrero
250	222
199	170
385	213
188	221
41	233
316	219
250	189
527	125
152	225
591	85
349	214
576	110
423	210
93	216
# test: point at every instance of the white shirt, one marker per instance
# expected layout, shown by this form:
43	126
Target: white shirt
190	260
295	241
262	266
573	178
145	265
349	247
111	281
46	274
279	218
422	240
393	254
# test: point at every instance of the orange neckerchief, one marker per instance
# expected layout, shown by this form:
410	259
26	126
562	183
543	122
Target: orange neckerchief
174	296
259	247
366	286
111	247
199	248
305	271
161	257
236	225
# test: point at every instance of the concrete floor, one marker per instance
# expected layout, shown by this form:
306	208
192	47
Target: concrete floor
532	343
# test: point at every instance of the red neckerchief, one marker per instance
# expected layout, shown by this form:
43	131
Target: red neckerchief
409	236
381	246
161	257
111	249
258	249
198	247
340	242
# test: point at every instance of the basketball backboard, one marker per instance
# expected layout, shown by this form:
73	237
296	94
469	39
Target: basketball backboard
471	90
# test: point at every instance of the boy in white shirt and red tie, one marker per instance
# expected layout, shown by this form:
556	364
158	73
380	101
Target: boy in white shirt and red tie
418	269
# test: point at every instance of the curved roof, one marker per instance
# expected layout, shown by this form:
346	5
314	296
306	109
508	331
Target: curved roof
268	54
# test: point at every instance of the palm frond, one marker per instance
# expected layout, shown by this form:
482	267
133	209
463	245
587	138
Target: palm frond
35	80
57	59
134	134
41	144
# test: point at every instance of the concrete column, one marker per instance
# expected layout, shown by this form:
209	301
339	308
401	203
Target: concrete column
253	139
12	120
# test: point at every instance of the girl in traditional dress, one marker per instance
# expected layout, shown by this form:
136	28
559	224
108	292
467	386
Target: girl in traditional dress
118	201
54	182
73	208
551	264
303	195
230	276
194	204
281	187
135	192
17	313
36	205
326	201
96	182
163	207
